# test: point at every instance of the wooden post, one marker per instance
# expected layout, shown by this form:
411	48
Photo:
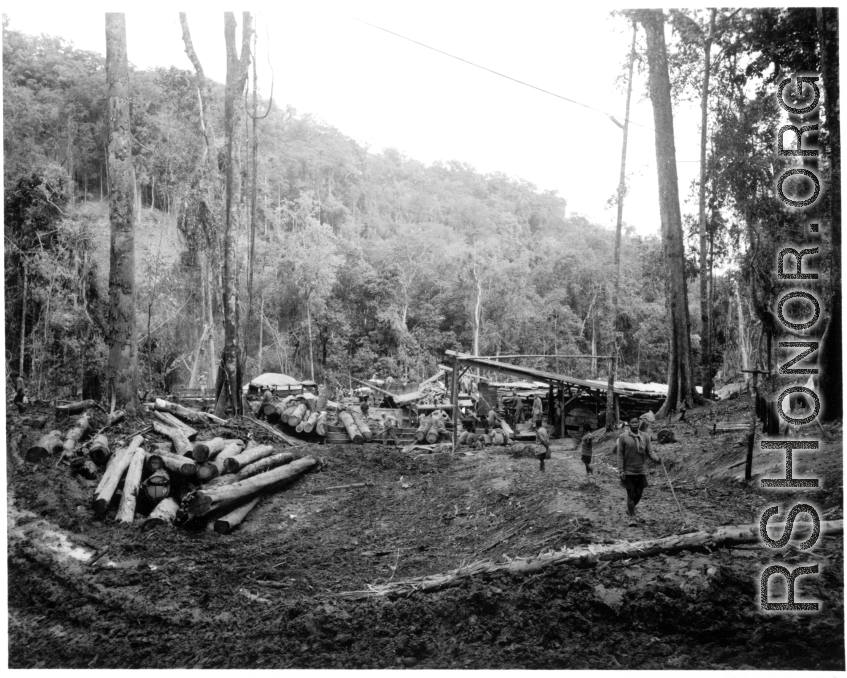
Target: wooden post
617	410
562	410
454	398
751	436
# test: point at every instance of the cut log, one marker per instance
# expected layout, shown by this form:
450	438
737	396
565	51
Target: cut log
74	408
165	446
170	420
215	467
350	427
309	424
163	514
73	436
158	485
172	462
115	417
435	430
239	461
47	445
665	436
589	556
231	520
274	409
320	425
507	430
297	415
85	468
288	411
37	423
205	500
132	483
189	414
178	438
362	425
99	449
112	476
206	449
253	469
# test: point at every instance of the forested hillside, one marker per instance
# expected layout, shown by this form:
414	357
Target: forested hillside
363	260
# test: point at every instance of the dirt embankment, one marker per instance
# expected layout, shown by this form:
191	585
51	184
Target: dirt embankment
265	596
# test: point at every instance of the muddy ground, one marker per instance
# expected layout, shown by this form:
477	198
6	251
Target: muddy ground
266	595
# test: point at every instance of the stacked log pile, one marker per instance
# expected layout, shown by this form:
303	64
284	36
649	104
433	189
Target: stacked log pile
169	472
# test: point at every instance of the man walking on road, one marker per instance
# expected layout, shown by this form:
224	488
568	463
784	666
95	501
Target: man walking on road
633	447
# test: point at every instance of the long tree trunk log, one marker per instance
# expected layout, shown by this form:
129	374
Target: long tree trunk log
216	467
99	449
189	414
169	419
239	461
172	462
309	426
207	449
320	425
112	476
132	483
158	485
507	430
297	416
163	514
75	435
590	555
362	425
74	408
205	500
115	417
233	519
47	445
178	437
351	428
253	469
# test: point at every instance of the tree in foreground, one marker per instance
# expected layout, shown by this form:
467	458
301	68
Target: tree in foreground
680	373
122	371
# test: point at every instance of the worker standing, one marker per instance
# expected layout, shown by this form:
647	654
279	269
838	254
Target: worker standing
517	401
633	446
537	411
389	424
543	440
587	452
20	394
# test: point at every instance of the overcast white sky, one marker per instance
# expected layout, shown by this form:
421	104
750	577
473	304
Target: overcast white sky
385	91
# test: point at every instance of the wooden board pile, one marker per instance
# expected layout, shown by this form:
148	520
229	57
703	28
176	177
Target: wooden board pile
165	474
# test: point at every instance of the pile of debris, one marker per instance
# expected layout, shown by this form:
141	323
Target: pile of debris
165	472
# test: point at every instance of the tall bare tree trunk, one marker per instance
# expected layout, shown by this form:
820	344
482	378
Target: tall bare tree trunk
610	398
705	338
261	330
123	356
742	338
23	318
830	357
311	350
680	376
236	78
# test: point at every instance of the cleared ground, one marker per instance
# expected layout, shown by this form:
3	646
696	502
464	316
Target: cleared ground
265	596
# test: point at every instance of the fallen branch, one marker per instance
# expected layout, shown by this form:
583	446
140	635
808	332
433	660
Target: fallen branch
275	432
590	556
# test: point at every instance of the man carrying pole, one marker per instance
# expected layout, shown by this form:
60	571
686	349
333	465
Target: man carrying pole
633	446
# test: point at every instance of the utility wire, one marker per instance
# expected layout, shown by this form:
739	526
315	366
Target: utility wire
508	77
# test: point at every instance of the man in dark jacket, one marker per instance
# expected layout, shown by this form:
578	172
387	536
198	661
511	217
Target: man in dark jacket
633	448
